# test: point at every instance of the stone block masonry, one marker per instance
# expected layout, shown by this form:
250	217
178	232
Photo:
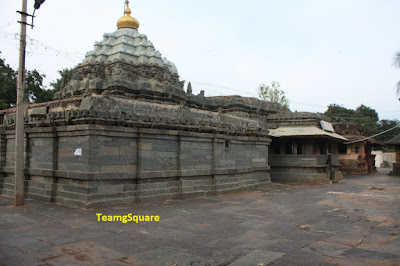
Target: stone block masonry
123	130
90	164
304	169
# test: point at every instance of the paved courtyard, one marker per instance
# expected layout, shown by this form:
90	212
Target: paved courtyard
354	222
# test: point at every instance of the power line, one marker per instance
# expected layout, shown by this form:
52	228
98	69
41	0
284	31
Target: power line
35	44
306	104
380	133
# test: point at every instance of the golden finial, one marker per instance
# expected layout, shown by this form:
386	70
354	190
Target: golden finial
127	21
127	9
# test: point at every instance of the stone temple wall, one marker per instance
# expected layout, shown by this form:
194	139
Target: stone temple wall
96	151
124	130
286	118
304	169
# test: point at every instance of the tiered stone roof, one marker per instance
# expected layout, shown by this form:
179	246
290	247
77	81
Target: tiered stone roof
129	46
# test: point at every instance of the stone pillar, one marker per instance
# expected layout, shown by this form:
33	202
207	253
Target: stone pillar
179	166
348	149
396	166
3	147
139	148
294	148
282	147
214	162
55	148
28	151
362	149
308	148
316	149
334	148
54	185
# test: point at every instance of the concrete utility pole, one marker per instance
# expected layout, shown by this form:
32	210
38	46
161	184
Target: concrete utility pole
20	115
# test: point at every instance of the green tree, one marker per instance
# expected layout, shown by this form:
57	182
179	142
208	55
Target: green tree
8	86
65	76
385	125
362	115
367	116
35	91
338	113
367	112
273	94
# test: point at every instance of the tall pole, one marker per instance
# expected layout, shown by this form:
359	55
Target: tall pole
20	116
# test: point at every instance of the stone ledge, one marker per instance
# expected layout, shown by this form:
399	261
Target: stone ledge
299	178
94	176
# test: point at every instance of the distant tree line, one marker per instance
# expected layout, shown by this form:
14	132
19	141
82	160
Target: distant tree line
364	115
35	92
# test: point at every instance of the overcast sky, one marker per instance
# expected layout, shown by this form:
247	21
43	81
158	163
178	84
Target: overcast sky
321	51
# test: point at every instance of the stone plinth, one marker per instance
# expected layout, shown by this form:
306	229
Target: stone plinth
95	151
304	169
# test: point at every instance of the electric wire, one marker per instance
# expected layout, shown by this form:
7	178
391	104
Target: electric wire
305	104
35	45
380	133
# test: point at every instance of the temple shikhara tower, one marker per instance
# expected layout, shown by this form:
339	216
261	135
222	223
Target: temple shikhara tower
125	63
124	130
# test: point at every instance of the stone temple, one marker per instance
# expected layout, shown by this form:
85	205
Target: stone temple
124	130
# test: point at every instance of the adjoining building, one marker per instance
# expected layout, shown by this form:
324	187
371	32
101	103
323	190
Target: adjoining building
304	148
123	130
355	156
396	143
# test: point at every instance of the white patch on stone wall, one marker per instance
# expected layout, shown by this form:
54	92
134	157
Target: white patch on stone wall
78	152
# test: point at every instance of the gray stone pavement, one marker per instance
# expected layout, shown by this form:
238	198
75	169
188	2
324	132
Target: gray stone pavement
354	222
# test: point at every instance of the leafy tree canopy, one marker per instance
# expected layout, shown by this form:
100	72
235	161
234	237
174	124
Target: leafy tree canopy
339	113
367	112
361	115
65	76
364	115
8	86
367	116
385	125
35	92
273	93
